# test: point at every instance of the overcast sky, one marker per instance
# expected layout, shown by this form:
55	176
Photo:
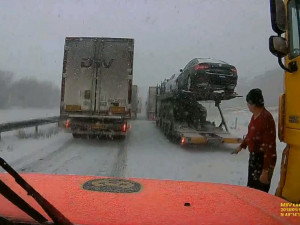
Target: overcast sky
167	34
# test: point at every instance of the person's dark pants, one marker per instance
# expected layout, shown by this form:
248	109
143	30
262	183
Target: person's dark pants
256	162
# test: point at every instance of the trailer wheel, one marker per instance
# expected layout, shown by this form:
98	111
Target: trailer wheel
91	136
171	131
175	139
166	129
120	137
76	135
159	122
163	124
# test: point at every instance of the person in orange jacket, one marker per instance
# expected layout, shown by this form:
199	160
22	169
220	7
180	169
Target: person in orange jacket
261	143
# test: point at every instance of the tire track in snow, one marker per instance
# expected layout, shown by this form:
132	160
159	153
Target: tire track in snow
33	156
120	161
40	163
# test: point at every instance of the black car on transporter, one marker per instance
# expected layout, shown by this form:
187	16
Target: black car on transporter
206	75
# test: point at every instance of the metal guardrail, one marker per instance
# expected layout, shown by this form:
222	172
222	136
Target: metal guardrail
4	127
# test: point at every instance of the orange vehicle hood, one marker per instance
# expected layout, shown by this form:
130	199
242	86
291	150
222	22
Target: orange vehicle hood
157	202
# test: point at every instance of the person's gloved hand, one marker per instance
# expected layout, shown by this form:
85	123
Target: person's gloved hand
237	150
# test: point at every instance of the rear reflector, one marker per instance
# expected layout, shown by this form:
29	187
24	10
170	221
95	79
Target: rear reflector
68	124
125	127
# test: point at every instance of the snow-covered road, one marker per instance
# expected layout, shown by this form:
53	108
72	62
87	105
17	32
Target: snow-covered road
145	153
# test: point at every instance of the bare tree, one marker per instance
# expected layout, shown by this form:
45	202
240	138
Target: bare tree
5	82
29	92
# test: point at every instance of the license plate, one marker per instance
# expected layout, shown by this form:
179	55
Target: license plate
116	109
73	108
97	126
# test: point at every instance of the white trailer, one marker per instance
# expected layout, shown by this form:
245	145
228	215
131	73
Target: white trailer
96	90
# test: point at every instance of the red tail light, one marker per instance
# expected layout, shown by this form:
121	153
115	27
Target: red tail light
68	124
183	140
234	70
125	127
201	67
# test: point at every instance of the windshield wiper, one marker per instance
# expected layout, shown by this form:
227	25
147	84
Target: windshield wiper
53	213
20	203
4	221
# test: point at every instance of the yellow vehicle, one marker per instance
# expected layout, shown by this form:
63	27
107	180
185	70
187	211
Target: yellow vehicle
285	17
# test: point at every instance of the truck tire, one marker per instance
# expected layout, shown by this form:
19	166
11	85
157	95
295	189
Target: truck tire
163	124
166	129
158	122
76	135
91	136
120	137
175	138
169	131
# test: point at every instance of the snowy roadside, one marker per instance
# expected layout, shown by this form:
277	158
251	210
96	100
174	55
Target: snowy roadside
19	114
25	144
